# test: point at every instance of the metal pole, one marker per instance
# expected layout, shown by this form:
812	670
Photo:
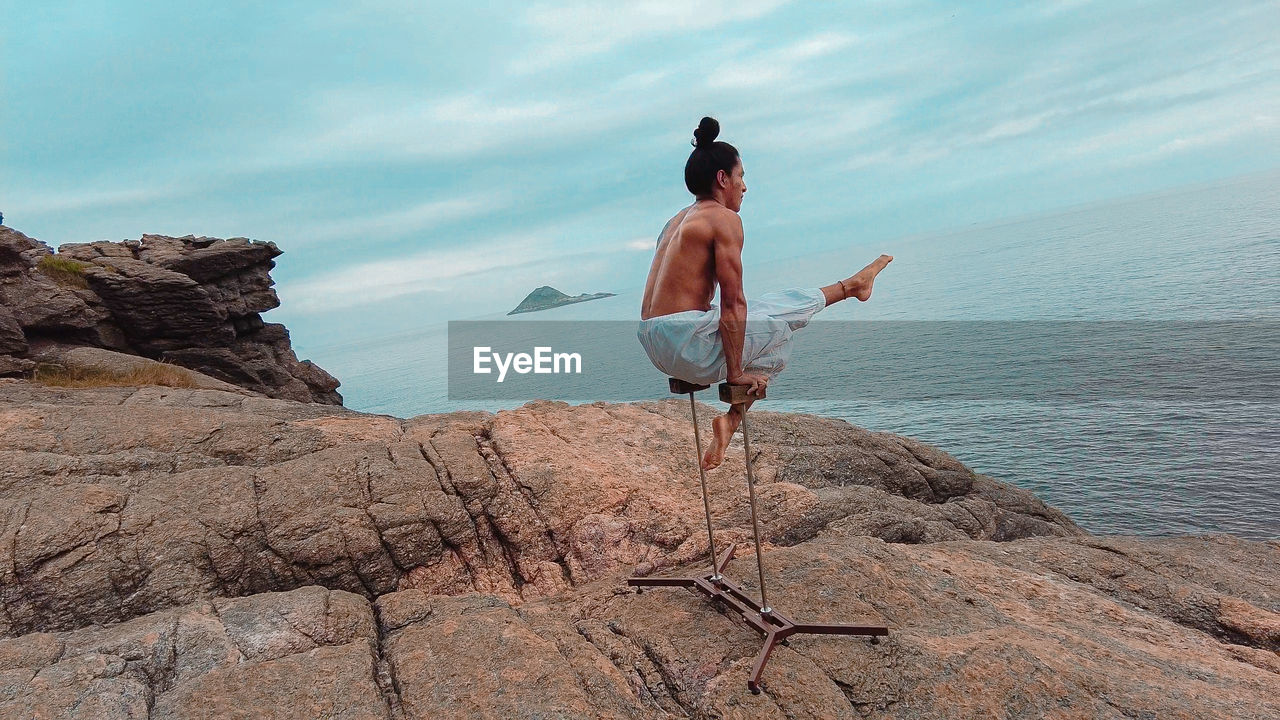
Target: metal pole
702	474
755	525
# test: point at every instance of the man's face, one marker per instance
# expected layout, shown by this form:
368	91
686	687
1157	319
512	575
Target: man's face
735	187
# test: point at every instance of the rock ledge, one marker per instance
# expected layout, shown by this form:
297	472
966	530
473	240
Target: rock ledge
190	301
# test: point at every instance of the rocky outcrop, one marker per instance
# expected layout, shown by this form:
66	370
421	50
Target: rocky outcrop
190	301
547	297
202	553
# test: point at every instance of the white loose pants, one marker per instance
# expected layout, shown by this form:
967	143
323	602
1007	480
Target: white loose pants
686	345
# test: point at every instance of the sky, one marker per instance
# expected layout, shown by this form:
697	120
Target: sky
421	162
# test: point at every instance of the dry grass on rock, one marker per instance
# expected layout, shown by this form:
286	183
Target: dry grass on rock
153	374
64	270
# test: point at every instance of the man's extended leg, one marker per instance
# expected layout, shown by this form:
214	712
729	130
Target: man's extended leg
783	307
723	429
857	285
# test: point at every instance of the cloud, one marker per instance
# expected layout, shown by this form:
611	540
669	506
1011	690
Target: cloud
1083	102
355	124
361	121
826	126
907	157
1014	127
1058	7
778	65
643	80
583	29
1212	129
537	252
1214	117
415	218
432	271
88	199
642	244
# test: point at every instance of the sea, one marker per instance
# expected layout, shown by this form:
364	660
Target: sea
1193	265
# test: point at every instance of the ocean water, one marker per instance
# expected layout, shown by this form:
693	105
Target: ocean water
1117	463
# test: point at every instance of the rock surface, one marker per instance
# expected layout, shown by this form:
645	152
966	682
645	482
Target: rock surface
189	301
202	553
309	653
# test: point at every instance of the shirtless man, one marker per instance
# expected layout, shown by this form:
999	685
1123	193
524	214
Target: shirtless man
701	247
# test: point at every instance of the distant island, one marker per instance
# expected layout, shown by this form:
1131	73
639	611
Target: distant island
547	297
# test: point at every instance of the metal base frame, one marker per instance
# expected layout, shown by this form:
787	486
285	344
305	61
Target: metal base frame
775	626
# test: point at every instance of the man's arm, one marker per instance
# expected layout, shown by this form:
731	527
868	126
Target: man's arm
733	303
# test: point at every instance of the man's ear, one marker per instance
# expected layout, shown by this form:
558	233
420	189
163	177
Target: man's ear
722	179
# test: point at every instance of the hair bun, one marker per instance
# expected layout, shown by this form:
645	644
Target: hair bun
706	133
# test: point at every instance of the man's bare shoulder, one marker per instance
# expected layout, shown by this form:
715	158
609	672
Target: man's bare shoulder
725	222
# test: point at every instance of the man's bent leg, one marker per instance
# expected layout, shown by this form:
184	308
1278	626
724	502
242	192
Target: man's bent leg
795	307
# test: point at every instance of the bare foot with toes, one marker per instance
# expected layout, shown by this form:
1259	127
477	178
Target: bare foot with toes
722	431
859	285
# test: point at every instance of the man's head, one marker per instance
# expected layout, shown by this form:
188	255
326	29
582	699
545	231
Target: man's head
714	169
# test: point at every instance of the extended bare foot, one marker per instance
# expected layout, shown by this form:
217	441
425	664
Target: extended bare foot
859	285
722	430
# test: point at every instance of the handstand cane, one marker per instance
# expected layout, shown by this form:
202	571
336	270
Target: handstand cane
681	386
751	490
774	625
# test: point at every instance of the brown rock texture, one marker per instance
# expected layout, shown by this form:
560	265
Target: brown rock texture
204	553
309	653
190	301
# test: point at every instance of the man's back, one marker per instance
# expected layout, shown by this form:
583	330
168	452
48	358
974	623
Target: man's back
682	276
